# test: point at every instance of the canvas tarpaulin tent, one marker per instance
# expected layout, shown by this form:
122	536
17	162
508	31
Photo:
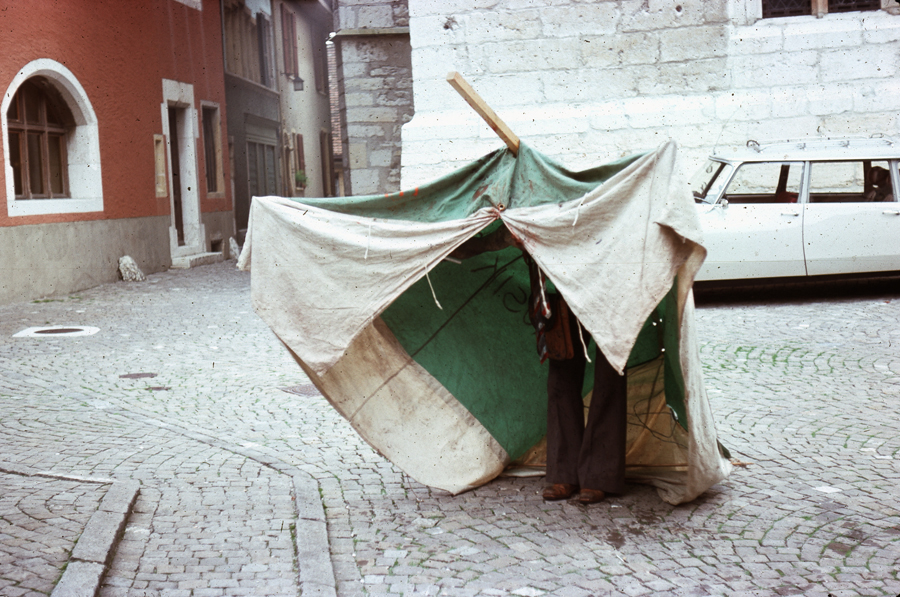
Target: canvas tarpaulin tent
433	361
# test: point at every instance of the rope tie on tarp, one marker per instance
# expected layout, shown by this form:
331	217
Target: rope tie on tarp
578	211
368	237
583	345
433	295
544	304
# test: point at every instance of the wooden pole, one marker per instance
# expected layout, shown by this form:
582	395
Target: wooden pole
819	8
473	99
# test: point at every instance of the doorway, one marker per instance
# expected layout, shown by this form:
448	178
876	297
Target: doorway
187	235
174	115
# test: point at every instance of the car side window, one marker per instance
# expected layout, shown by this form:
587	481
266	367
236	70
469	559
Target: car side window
850	182
765	182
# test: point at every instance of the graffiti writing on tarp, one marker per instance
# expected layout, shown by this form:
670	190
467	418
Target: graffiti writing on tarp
513	296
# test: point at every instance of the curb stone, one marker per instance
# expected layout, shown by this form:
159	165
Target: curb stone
94	550
79	580
95	547
317	571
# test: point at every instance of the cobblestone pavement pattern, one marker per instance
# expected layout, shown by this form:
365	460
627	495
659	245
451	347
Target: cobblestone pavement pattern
805	394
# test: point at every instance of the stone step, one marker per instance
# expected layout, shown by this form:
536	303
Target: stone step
190	261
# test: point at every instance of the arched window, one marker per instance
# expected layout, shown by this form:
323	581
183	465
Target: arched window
39	121
51	143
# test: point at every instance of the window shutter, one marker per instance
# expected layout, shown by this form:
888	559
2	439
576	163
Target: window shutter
289	42
293	46
285	41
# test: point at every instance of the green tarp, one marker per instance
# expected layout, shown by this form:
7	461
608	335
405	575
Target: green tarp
434	361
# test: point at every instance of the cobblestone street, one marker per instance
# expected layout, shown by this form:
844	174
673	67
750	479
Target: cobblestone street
184	390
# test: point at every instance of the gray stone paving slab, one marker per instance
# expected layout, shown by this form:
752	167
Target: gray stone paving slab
186	391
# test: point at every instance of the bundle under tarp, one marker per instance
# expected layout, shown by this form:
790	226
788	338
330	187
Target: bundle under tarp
434	363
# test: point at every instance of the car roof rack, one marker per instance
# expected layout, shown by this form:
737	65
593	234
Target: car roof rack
840	148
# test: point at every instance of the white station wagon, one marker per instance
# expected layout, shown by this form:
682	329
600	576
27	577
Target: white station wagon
806	208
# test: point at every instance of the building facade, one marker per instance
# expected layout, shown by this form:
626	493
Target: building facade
254	105
113	142
587	82
302	60
276	79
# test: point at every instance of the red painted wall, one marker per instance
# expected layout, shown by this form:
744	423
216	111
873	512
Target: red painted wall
120	51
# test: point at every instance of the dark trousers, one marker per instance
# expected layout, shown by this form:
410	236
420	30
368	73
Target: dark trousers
592	455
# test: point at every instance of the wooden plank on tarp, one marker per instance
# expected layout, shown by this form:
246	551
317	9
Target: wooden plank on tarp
480	106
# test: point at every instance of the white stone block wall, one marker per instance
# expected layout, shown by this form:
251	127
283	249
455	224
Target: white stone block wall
589	81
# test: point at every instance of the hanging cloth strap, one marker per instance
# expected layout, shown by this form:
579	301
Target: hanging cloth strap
550	317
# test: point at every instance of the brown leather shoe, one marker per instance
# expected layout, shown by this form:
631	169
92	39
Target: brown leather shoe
591	496
559	491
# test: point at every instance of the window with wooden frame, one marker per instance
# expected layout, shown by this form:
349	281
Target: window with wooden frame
247	42
261	169
790	8
38	124
212	150
289	42
50	143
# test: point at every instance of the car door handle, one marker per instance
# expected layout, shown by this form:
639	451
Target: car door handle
889	212
788	213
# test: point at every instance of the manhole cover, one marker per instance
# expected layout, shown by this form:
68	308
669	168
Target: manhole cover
304	390
57	330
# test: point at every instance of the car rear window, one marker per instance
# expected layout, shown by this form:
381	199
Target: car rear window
856	181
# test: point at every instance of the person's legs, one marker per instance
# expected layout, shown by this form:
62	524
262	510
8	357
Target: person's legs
601	460
565	419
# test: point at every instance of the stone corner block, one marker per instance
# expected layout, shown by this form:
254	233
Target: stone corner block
129	270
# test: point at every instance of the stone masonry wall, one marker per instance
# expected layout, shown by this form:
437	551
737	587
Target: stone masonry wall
375	85
586	82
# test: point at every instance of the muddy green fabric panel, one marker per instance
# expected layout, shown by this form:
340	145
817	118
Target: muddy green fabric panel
538	180
661	332
647	347
480	346
675	387
455	196
495	179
